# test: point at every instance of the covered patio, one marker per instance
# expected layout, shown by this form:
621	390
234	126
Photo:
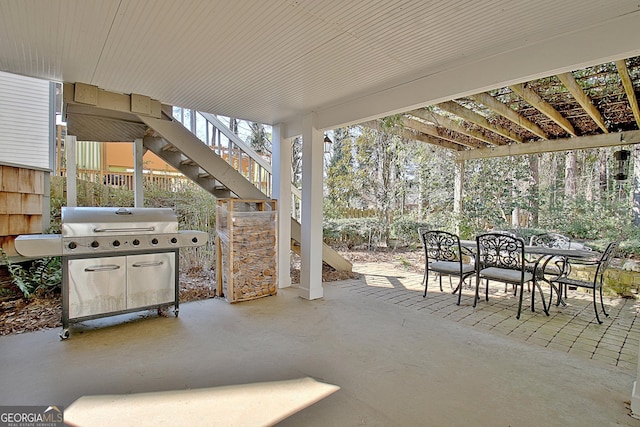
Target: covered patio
398	359
306	67
312	66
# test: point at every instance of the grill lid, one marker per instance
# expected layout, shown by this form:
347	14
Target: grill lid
90	221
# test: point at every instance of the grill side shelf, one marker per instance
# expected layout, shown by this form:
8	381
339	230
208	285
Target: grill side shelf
39	245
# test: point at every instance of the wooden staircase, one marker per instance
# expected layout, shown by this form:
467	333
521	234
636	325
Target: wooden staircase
94	114
180	148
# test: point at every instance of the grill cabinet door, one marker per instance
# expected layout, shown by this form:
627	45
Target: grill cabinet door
150	279
96	286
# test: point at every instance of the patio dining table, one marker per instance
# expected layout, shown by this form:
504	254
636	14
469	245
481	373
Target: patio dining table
544	256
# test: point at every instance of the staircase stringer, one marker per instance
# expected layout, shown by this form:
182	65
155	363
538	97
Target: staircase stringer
201	157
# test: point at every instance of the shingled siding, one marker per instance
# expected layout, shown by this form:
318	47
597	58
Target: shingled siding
26	132
21	210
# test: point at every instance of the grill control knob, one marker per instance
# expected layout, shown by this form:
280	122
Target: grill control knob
72	245
116	243
95	244
194	240
154	241
136	242
174	240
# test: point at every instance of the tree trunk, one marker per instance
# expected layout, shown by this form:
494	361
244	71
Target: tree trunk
554	178
534	205
636	185
233	125
588	177
515	217
602	172
570	176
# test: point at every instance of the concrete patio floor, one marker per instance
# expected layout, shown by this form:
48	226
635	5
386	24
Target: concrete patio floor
399	359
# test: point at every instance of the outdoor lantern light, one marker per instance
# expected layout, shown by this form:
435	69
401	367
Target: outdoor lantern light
327	144
622	171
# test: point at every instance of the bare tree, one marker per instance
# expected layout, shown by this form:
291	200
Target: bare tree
602	172
636	185
534	201
570	176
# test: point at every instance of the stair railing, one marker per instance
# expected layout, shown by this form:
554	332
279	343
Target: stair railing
254	166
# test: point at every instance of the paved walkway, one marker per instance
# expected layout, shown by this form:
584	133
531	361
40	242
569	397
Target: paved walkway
572	329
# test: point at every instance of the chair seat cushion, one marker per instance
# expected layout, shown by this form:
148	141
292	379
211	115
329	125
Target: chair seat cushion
576	282
451	267
552	269
505	275
549	269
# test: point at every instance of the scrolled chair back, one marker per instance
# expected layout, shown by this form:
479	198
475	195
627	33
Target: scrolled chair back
605	258
440	245
500	250
551	240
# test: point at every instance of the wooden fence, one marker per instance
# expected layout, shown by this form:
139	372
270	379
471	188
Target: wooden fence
359	213
162	180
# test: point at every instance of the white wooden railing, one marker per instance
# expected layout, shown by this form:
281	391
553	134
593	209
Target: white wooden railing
254	166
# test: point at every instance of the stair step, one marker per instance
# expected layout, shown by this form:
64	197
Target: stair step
204	173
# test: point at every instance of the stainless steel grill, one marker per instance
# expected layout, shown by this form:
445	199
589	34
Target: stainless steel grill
114	260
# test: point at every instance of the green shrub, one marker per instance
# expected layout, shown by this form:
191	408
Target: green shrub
38	276
406	230
354	231
583	219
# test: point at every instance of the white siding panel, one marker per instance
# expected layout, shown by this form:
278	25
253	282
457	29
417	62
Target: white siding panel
24	121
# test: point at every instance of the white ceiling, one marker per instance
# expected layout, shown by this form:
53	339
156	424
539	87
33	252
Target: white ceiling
273	61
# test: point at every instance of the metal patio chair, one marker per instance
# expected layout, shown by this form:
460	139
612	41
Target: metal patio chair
502	258
444	255
551	240
597	283
554	266
512	234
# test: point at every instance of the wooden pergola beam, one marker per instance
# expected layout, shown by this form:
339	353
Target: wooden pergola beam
566	144
532	98
583	99
418	136
473	117
440	120
503	110
623	71
436	131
